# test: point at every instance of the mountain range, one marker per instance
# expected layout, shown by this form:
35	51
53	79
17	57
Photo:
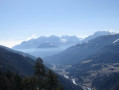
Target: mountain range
52	45
97	34
56	41
49	42
79	52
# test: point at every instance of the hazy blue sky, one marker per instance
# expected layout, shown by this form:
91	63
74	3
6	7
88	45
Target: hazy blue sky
21	19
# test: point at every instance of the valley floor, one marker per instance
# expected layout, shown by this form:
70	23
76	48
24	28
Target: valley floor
61	70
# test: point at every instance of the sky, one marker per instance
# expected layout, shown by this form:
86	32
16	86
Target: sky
25	19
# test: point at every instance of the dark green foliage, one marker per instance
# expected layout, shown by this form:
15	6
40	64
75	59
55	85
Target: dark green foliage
52	80
39	69
10	81
42	79
29	83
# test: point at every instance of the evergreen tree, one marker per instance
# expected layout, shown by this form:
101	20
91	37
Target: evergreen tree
10	81
29	83
53	83
17	83
39	70
41	80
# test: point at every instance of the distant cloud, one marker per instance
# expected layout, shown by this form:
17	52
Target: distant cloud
10	43
63	40
32	36
113	31
82	36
